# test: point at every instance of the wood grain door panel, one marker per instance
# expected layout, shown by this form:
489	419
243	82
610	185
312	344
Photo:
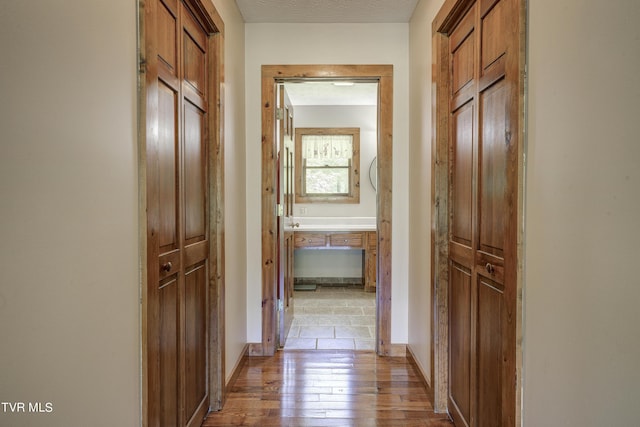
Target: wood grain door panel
195	173
462	174
492	180
168	356
168	190
462	141
194	64
463	52
495	15
195	353
460	293
166	35
489	350
177	215
482	191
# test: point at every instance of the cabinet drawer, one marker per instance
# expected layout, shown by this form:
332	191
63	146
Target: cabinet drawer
352	240
309	240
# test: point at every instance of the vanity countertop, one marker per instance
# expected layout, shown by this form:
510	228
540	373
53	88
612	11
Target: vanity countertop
333	223
345	227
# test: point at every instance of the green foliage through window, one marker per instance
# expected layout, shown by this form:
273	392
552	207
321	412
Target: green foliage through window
327	161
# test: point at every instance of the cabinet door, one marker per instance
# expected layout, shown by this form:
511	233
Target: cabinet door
370	262
370	270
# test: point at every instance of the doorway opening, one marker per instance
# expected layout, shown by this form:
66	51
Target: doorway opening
330	208
382	75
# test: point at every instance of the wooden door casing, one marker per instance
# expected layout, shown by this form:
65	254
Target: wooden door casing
180	130
271	75
479	73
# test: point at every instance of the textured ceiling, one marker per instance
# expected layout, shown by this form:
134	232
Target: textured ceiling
328	11
338	11
326	93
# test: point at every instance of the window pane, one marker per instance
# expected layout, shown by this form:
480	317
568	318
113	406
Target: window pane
326	163
327	147
327	181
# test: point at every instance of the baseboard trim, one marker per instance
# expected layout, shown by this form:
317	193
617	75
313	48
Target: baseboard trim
237	368
357	282
255	349
421	374
397	350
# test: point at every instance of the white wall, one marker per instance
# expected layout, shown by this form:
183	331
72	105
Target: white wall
582	339
328	263
329	44
234	184
69	287
420	304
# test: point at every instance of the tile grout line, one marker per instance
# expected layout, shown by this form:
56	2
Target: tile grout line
350	306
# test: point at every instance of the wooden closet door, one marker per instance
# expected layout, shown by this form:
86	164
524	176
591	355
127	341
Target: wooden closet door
463	139
483	196
177	320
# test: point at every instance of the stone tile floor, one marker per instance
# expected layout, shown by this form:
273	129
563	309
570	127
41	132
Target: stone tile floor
333	318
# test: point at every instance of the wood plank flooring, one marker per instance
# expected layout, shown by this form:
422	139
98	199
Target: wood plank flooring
327	388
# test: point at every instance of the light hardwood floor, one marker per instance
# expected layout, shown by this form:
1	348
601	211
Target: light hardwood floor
327	388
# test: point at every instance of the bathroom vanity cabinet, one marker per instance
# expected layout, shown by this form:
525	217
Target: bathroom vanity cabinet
324	240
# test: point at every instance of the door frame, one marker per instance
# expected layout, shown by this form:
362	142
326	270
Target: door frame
271	75
449	15
209	17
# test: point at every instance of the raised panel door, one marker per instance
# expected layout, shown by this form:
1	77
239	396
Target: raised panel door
483	190
177	216
462	142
